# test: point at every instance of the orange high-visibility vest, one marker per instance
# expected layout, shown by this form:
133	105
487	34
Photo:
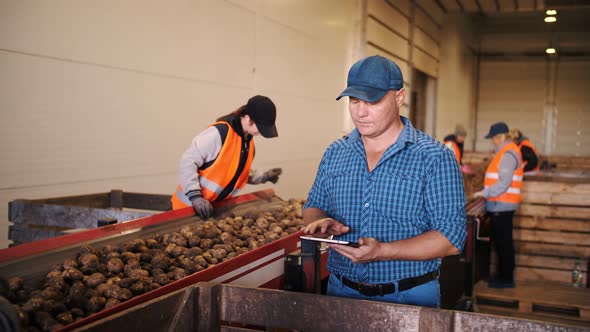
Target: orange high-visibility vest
526	142
456	150
218	176
513	194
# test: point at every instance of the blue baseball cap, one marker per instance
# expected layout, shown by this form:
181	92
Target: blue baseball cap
497	128
370	78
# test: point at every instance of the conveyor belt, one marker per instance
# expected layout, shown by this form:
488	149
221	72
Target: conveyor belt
32	261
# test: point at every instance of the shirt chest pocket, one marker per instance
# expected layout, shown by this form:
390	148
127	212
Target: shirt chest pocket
343	193
399	197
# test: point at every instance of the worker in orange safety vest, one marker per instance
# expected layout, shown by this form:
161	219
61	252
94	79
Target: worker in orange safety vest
530	157
217	165
502	191
455	142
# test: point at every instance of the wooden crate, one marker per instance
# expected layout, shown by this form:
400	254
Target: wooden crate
474	157
539	300
552	229
568	162
39	219
209	307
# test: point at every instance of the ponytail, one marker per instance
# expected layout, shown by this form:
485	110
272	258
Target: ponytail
238	113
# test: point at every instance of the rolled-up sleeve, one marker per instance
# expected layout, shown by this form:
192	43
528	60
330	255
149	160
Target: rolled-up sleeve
445	199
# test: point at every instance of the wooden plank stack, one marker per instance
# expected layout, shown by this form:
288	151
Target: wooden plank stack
568	162
547	301
552	229
551	234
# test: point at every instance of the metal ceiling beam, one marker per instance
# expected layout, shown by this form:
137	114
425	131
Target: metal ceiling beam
441	6
460	6
479	6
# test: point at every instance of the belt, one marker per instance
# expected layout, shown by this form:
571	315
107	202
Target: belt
382	289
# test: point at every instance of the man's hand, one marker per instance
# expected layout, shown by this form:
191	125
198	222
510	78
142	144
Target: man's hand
326	226
369	250
272	175
202	207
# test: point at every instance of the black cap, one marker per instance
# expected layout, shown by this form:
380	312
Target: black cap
497	128
264	114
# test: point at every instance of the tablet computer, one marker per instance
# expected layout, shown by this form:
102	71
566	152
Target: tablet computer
327	240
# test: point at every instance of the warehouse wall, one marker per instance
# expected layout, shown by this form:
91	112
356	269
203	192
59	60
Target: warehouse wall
457	84
418	35
545	98
101	95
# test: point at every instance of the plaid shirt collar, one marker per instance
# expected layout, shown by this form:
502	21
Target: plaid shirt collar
406	137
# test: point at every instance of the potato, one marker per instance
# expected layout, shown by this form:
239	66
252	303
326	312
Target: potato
115	265
95	279
111	303
72	274
89	261
70	264
65	318
15	283
160	261
96	303
262	222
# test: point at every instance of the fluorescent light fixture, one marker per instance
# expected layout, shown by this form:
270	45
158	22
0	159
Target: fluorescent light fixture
550	50
551	12
550	19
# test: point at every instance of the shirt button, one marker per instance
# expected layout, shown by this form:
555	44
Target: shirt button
366	204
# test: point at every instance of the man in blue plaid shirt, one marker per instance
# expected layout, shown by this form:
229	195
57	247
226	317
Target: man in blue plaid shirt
391	188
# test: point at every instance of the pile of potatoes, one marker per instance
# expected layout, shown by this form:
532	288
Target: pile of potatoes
100	278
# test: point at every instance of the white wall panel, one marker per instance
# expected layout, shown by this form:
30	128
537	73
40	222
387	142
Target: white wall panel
176	38
432	9
426	23
424	62
381	36
573	108
403	5
457	80
426	43
390	16
513	92
98	95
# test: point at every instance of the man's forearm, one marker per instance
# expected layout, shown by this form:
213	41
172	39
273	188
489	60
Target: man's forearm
312	214
429	245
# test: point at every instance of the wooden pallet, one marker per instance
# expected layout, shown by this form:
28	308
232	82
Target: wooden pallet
552	229
537	300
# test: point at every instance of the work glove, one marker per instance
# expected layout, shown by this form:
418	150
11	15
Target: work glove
478	194
202	207
272	175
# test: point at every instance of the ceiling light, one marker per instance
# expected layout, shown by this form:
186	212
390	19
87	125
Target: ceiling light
550	50
550	19
551	12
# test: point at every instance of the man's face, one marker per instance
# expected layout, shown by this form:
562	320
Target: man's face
460	139
373	119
